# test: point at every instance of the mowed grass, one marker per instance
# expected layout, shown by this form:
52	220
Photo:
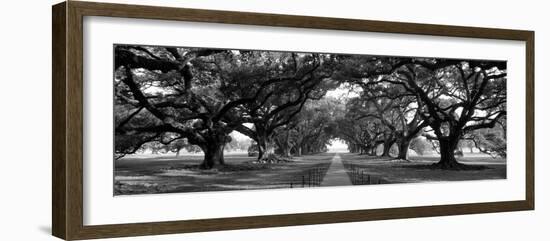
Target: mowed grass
396	171
147	174
142	174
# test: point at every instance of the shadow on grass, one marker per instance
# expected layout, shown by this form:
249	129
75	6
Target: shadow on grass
460	167
222	168
165	175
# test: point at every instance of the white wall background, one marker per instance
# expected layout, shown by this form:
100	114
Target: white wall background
25	120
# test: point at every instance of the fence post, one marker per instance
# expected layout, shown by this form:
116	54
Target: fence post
318	177
309	178
303	180
315	177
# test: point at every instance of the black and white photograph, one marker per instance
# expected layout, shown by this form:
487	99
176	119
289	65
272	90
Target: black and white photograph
195	119
269	120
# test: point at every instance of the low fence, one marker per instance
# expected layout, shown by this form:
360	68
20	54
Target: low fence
310	178
359	176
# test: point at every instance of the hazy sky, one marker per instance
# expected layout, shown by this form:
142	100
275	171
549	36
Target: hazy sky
337	146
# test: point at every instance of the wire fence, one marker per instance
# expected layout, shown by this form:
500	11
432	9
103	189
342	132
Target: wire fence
359	176
310	178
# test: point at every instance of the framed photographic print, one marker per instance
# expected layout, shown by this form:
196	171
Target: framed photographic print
171	120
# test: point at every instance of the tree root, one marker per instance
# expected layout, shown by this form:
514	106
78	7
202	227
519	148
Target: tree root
457	166
399	160
271	159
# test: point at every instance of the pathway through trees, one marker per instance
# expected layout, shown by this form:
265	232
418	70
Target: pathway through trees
336	174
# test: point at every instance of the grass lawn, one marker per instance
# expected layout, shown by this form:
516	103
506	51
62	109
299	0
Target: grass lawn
140	174
385	170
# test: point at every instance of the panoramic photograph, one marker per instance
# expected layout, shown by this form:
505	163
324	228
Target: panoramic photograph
191	119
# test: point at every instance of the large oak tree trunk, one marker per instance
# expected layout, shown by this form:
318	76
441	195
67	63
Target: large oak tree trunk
306	149
404	145
213	154
266	150
362	150
387	148
357	149
261	149
285	146
447	147
213	149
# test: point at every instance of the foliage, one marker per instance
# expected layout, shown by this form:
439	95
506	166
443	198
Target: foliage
489	141
169	99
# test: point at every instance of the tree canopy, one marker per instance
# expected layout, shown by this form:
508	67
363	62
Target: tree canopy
178	97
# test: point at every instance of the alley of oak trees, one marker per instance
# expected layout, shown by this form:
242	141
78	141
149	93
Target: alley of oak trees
195	97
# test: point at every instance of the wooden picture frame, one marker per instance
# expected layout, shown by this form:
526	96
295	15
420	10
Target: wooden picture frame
67	155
